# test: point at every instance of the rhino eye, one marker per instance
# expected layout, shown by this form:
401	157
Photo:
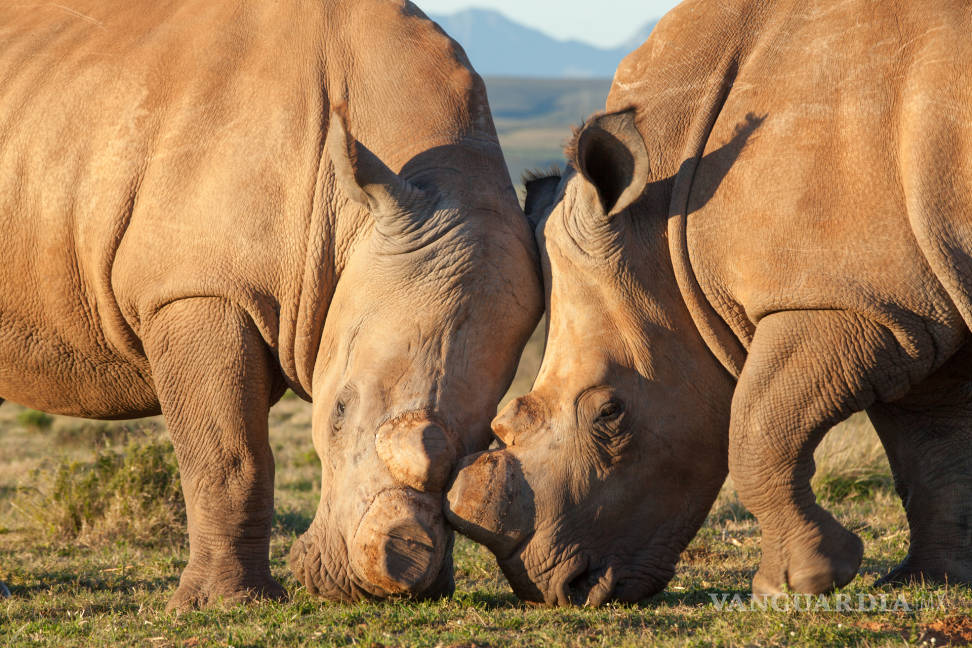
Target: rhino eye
345	402
337	420
610	411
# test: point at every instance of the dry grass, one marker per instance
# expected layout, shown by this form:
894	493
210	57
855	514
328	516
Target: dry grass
132	493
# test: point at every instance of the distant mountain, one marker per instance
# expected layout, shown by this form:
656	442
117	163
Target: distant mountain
498	46
639	36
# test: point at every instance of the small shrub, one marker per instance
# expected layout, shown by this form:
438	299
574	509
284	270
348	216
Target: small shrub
34	420
133	495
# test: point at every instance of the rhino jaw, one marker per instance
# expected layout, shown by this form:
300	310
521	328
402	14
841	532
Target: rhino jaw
491	503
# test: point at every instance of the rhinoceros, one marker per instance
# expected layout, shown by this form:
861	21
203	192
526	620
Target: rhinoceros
769	229
206	203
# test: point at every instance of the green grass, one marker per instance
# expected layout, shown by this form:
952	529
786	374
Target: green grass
105	589
34	420
133	492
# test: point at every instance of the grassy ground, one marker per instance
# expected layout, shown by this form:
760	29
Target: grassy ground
107	589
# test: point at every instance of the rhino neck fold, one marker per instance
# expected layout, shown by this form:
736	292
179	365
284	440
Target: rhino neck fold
695	83
716	333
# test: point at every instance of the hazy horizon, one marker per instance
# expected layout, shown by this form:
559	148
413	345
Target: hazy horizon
589	22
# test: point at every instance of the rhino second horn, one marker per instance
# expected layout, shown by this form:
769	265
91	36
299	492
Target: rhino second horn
419	454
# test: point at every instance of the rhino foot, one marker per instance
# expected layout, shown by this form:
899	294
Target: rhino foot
913	571
829	560
4	592
196	593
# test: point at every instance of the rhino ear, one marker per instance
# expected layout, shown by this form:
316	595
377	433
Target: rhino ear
611	155
541	191
396	204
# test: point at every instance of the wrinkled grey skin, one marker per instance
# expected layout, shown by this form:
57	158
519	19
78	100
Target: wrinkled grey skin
765	234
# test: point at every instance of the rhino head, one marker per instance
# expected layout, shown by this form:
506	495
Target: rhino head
420	342
607	468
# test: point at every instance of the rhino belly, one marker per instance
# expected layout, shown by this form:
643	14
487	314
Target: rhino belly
55	358
67	380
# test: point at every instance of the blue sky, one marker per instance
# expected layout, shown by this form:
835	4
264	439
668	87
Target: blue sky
601	22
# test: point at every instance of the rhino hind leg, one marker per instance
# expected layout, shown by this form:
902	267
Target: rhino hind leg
806	372
928	439
214	378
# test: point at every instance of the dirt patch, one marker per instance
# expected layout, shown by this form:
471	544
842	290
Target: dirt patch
955	630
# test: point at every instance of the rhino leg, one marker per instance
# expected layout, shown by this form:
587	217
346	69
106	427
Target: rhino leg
214	378
806	371
928	438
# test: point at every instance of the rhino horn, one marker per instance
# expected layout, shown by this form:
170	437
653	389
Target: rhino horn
396	204
610	153
418	453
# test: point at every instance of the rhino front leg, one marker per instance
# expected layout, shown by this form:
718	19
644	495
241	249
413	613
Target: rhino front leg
806	371
928	438
214	378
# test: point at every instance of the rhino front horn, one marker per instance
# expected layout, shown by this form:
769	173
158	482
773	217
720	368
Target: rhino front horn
418	453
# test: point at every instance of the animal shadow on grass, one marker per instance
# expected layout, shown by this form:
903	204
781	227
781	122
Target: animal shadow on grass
702	595
489	600
876	568
48	580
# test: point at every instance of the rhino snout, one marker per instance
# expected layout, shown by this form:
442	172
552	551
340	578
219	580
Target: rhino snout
491	502
400	545
419	453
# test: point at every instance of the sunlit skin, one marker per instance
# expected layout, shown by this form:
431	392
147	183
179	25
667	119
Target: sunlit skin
760	237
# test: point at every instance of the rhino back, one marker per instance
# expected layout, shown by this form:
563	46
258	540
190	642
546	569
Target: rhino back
833	170
147	148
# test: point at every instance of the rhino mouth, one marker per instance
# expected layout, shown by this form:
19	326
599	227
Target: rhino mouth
588	587
580	579
491	502
401	547
575	581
